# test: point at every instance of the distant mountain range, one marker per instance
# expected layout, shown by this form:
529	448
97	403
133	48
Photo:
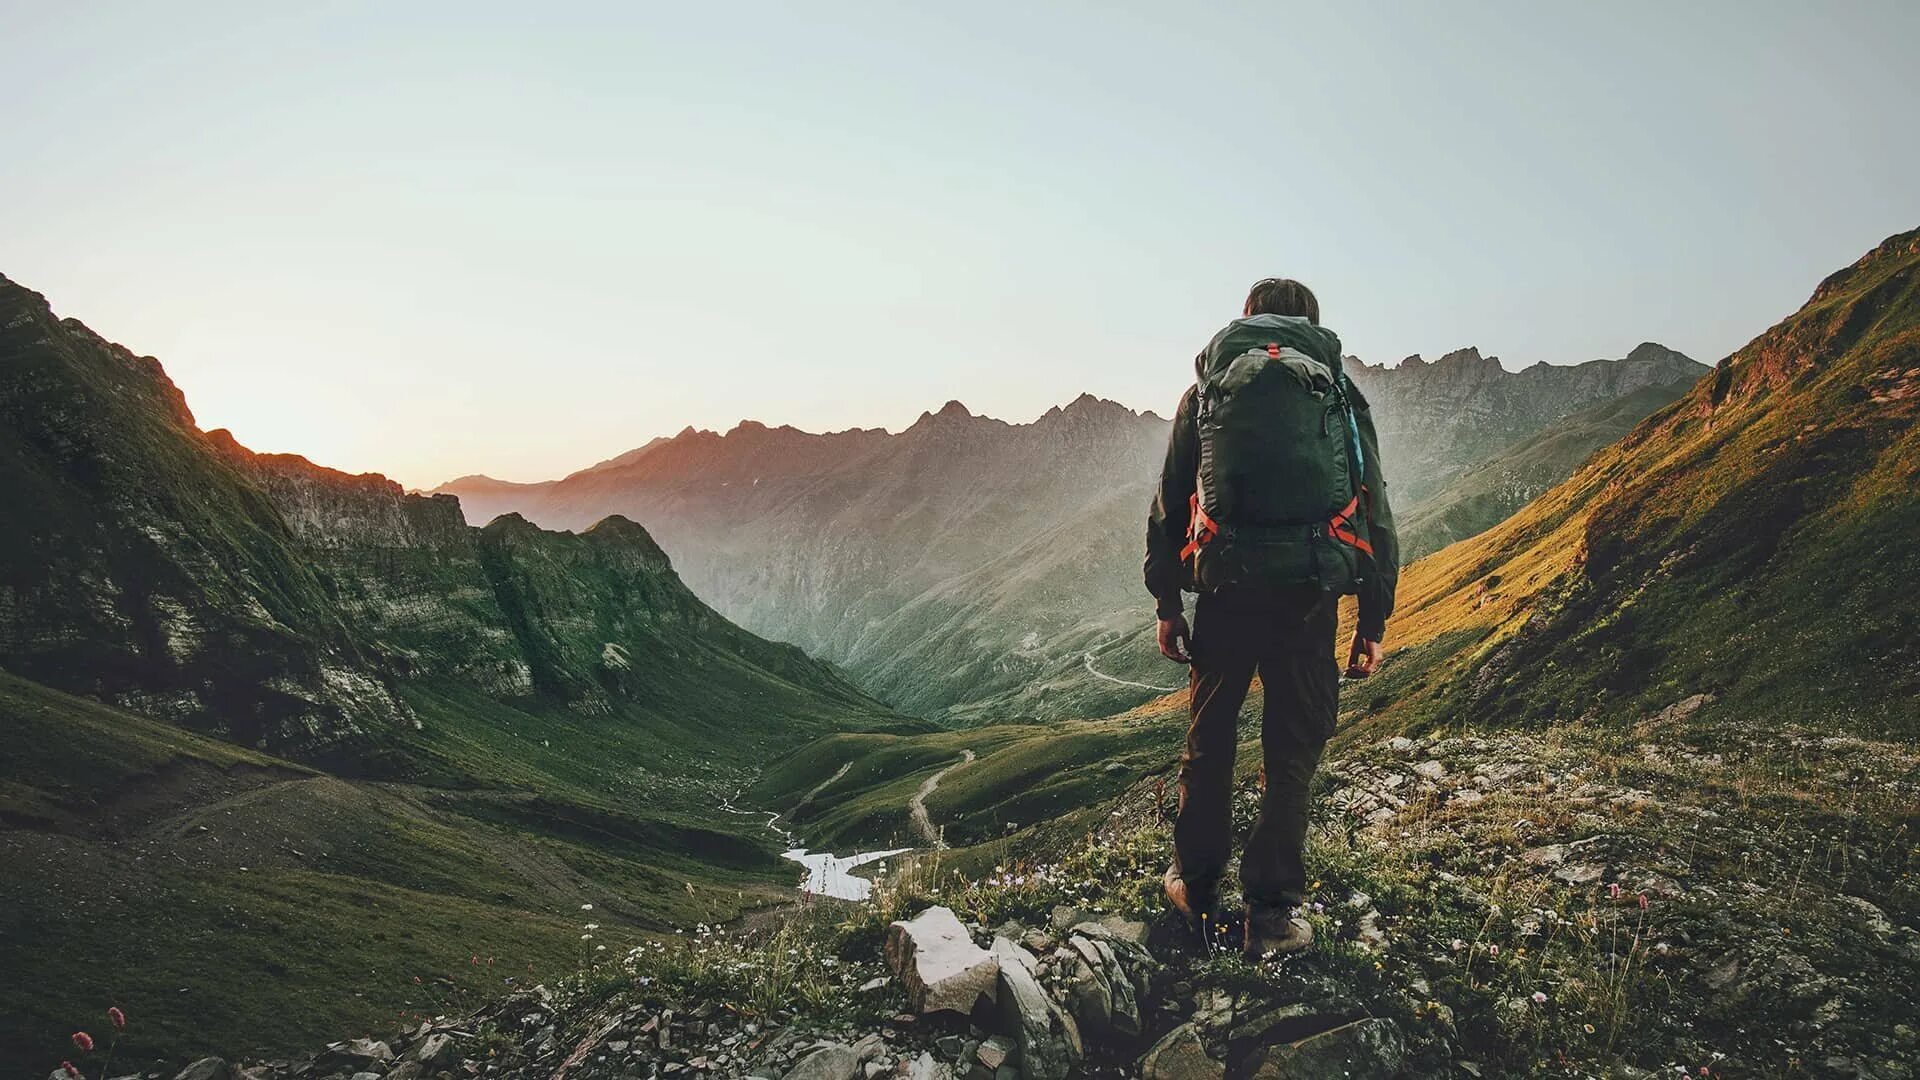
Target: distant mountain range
972	569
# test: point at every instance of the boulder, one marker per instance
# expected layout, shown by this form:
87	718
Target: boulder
994	1052
926	1067
436	1051
938	963
207	1068
834	1061
1369	1049
1180	1055
1048	1038
1103	974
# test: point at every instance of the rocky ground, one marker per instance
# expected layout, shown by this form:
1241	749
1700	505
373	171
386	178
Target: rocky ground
1585	902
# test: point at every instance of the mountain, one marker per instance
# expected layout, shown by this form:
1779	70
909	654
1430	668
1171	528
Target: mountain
1438	419
1739	543
1636	783
973	570
244	690
1487	493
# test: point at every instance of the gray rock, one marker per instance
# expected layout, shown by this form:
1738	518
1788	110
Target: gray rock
995	1052
1369	1049
1580	874
925	1067
366	1076
1432	770
1286	1024
207	1068
1103	974
938	963
1048	1038
834	1061
437	1051
870	1047
1180	1055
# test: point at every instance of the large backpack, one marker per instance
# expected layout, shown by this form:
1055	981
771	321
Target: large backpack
1279	499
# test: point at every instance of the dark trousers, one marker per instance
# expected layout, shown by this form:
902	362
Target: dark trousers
1288	639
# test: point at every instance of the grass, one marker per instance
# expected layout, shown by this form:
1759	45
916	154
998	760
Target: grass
234	903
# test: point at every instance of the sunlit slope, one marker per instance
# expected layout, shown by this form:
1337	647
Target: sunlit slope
1757	540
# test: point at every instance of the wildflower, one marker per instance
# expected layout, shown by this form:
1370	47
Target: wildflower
1456	945
119	1018
1539	997
1588	1028
68	1068
599	948
1613	890
591	926
586	937
1493	950
586	907
83	1040
1643	901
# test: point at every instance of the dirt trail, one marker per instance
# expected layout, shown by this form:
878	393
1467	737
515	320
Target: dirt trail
917	806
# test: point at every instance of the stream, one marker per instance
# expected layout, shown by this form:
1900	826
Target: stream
827	873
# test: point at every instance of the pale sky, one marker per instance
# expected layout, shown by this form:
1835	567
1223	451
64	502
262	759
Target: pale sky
435	239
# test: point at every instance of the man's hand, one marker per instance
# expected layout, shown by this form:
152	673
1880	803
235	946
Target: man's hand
1363	657
1175	639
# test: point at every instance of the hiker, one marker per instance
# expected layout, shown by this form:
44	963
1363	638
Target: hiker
1271	506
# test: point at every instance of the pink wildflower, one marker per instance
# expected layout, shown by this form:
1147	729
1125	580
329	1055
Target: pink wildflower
69	1068
119	1018
83	1040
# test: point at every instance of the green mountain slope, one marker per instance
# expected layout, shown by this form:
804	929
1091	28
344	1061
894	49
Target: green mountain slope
1747	542
289	738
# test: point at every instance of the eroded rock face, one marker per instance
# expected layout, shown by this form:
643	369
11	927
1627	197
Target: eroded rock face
1369	1049
1180	1055
939	964
1046	1033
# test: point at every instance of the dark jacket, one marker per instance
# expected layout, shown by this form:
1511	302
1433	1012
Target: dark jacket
1167	520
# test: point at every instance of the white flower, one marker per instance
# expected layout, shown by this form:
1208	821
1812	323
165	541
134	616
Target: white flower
1539	997
586	907
586	937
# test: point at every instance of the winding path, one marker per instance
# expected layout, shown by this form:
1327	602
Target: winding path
1097	673
917	806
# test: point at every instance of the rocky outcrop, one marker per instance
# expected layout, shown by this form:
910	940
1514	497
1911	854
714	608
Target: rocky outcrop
939	964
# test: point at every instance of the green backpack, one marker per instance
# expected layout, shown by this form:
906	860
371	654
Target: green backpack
1279	496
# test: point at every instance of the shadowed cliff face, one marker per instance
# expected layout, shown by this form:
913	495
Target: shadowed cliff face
979	570
281	604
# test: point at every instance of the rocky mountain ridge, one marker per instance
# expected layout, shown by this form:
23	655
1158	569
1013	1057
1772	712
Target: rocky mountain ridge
977	570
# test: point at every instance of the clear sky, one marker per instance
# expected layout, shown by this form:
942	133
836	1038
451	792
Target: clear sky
433	239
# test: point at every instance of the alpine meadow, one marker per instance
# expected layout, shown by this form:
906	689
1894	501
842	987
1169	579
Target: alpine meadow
702	691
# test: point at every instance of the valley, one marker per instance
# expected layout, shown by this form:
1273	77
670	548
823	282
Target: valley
965	569
302	754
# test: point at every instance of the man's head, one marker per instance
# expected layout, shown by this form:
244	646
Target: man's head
1282	296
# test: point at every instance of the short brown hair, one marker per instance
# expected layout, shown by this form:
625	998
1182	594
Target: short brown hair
1282	296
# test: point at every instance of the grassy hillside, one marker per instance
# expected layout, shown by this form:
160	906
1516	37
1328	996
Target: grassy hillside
230	900
286	740
1487	493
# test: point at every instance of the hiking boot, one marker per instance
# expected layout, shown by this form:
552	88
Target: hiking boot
1190	900
1273	931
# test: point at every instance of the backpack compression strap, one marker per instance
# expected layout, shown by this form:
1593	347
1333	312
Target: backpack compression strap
1340	526
1200	527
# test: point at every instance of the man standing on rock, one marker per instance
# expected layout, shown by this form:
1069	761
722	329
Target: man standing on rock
1271	505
